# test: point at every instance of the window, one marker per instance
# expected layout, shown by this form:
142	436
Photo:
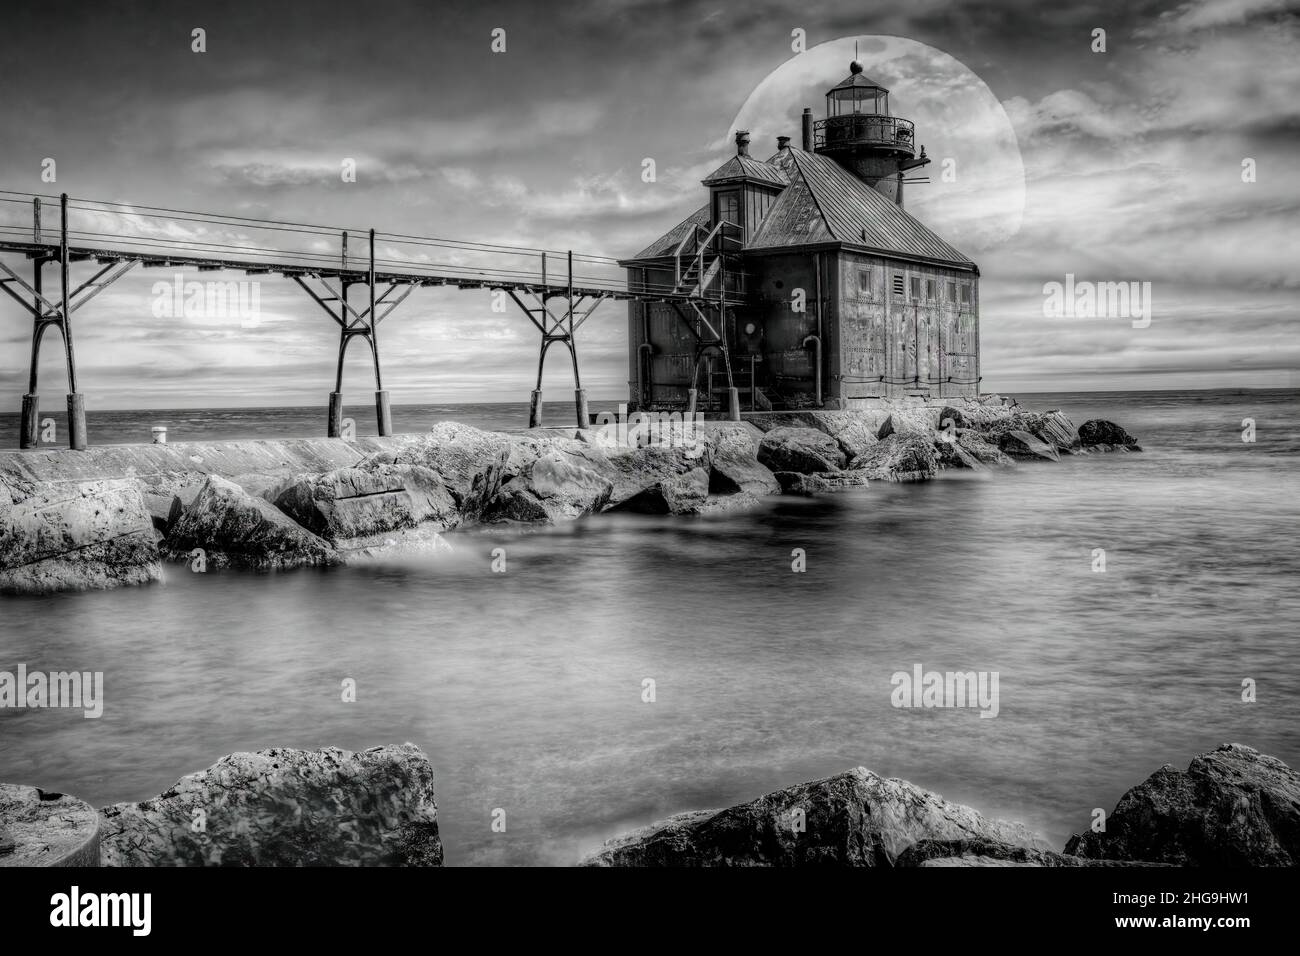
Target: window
952	292
916	287
965	294
898	285
729	207
931	289
864	282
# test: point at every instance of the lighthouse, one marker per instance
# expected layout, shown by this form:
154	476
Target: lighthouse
860	134
802	282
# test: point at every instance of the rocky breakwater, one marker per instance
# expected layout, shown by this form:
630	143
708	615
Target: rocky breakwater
1232	807
112	516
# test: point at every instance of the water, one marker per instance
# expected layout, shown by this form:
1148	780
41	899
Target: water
524	688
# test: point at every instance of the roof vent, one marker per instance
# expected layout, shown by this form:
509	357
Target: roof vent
742	142
782	142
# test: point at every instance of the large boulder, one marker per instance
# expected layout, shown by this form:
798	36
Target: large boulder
281	807
852	819
1099	433
76	535
471	462
804	450
900	457
354	504
1023	445
953	455
634	471
975	445
734	465
1232	807
685	493
551	487
855	431
1056	429
235	529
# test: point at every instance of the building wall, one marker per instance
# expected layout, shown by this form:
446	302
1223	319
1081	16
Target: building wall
876	342
907	329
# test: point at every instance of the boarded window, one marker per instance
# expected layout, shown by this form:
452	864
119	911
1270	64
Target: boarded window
931	289
916	287
864	281
965	294
898	285
952	292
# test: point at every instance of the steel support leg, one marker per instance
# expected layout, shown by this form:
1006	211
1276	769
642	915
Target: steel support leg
29	435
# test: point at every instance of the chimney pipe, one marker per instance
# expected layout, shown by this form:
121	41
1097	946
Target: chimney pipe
782	142
807	130
742	142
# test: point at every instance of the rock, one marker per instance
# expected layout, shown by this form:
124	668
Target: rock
852	819
163	510
910	457
986	454
734	465
351	505
552	487
471	462
950	414
235	529
43	828
1057	430
805	450
677	494
855	431
793	483
1233	807
72	536
953	455
1020	444
1098	432
984	852
635	471
909	420
281	807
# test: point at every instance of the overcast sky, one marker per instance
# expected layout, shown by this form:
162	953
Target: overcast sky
1132	159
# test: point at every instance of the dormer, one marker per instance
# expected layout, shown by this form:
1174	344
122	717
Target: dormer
742	190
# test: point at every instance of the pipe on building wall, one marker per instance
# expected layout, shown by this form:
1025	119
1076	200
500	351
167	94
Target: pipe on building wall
817	365
643	383
818	263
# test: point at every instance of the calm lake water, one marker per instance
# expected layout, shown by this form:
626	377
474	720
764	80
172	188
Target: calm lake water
525	688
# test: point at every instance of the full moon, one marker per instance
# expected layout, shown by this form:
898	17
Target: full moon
975	197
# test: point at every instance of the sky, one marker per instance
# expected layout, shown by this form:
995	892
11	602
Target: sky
1117	166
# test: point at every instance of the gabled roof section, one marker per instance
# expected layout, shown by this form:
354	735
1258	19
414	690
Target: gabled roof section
739	168
825	202
665	244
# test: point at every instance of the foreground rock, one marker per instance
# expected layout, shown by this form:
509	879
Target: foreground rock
1107	436
1023	445
735	468
899	456
75	536
803	450
1232	807
352	505
41	828
470	461
853	819
552	486
233	529
326	807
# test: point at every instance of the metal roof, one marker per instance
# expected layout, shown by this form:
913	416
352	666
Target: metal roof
746	167
826	200
665	244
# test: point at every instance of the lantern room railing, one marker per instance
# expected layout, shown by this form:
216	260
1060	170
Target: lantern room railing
865	129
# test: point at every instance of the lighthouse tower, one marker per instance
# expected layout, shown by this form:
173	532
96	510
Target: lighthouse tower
860	135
